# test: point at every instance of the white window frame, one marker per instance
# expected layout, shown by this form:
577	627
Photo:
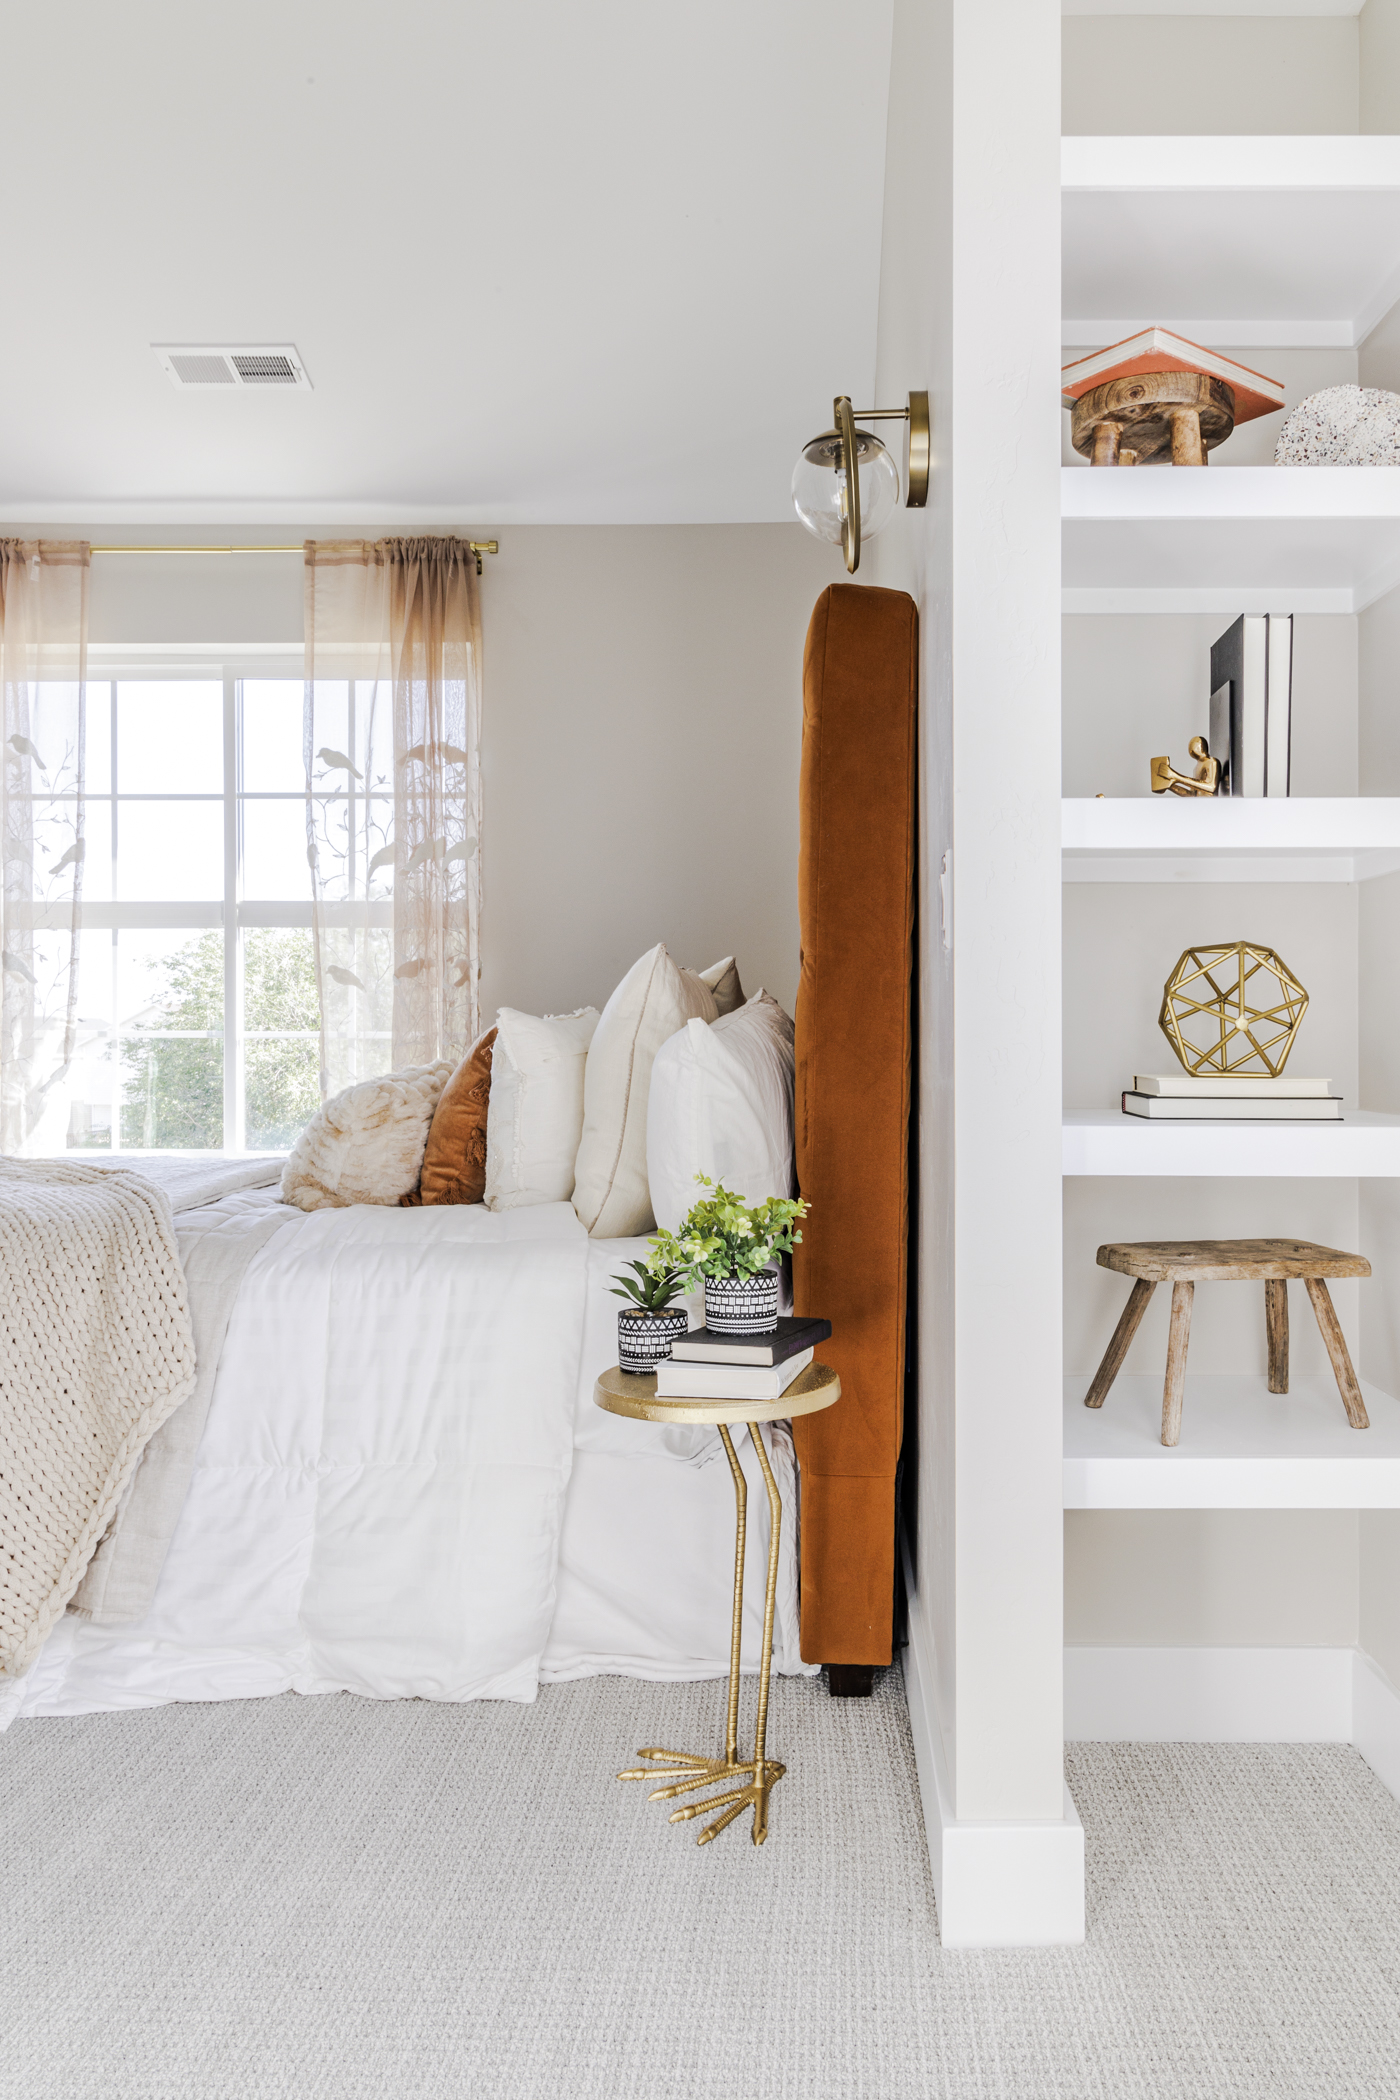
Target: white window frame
230	666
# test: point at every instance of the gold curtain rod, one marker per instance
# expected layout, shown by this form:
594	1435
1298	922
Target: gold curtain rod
476	546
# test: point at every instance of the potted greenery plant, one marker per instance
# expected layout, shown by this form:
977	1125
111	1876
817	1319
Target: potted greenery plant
652	1320
731	1246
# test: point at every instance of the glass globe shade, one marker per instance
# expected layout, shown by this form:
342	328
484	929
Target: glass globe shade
819	486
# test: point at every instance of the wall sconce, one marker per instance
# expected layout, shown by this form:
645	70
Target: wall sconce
844	508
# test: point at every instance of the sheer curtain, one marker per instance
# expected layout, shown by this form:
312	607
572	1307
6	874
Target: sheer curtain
391	733
43	672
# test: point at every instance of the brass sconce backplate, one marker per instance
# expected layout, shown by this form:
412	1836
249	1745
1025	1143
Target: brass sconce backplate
920	450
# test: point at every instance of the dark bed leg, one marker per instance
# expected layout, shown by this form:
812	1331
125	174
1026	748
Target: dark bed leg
850	1680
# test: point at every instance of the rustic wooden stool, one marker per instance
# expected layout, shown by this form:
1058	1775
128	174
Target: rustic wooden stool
1185	1263
1151	416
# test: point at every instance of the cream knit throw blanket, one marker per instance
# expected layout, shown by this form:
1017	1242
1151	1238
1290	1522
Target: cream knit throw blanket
95	1353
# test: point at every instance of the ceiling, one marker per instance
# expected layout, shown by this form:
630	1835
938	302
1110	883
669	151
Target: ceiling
544	262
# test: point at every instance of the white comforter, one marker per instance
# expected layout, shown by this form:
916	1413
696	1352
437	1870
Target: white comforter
377	1499
404	1489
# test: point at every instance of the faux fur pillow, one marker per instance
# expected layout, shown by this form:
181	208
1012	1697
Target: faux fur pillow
366	1145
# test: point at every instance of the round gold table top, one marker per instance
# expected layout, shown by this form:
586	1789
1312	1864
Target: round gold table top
634	1393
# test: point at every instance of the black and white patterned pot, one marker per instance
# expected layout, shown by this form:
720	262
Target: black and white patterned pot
742	1304
643	1339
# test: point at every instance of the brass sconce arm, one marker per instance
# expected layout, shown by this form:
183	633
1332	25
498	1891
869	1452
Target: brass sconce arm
916	416
850	522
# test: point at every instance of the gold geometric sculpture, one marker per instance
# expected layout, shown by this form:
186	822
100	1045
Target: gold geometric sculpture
1228	1003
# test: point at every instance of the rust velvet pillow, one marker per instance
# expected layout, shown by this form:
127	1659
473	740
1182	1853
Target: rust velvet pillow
454	1164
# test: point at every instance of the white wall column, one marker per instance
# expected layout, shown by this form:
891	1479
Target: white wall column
970	308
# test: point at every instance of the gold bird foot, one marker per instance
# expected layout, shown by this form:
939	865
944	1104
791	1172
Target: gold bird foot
686	1768
733	1805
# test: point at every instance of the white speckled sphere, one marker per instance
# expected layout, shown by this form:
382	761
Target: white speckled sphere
1343	426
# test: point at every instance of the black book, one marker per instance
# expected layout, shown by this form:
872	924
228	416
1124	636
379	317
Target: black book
1251	682
792	1334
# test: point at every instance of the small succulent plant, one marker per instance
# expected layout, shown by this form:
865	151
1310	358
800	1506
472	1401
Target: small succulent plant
650	1293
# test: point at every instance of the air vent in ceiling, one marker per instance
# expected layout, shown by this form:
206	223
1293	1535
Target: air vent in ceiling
191	366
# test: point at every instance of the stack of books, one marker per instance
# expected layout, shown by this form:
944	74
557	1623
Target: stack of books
707	1366
1234	1097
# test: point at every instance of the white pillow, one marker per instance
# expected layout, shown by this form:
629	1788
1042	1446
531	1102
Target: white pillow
721	1104
723	980
654	999
366	1145
535	1112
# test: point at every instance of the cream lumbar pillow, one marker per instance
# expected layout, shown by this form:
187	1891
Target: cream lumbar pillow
654	999
535	1116
721	1105
366	1145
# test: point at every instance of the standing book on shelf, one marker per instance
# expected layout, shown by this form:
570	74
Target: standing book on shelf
1251	701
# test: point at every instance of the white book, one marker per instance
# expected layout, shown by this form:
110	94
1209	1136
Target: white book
1199	1109
1233	1086
681	1381
1251	678
1278	730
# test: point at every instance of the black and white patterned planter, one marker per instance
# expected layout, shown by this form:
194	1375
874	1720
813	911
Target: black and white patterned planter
644	1339
742	1304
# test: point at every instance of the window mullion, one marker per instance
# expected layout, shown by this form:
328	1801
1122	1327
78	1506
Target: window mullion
114	1041
234	1126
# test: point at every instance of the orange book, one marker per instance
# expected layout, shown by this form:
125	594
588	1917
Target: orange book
1158	350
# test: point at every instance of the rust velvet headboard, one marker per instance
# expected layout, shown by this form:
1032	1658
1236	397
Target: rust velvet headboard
856	903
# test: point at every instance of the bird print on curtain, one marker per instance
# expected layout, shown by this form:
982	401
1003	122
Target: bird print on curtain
392	739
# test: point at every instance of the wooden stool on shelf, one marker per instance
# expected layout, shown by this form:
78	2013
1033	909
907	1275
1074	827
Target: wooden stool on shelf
1151	416
1185	1263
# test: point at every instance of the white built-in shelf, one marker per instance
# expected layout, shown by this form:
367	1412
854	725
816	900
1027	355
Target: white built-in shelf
1241	1447
1229	539
1105	1141
1167	838
1237	242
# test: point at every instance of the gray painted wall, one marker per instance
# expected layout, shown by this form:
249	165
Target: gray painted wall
641	733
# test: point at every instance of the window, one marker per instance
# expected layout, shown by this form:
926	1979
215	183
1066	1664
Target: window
198	1015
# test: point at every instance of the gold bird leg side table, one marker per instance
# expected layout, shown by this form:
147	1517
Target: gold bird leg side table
633	1393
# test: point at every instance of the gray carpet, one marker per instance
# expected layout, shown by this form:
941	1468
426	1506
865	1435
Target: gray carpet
326	1897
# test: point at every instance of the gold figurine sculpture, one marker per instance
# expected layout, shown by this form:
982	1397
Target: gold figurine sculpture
1230	1003
1204	781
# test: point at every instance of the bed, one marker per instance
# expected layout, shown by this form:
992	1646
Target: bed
403	1488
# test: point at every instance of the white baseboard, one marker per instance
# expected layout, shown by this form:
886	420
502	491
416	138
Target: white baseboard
997	1884
1022	1884
1208	1695
1375	1720
1235	1695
